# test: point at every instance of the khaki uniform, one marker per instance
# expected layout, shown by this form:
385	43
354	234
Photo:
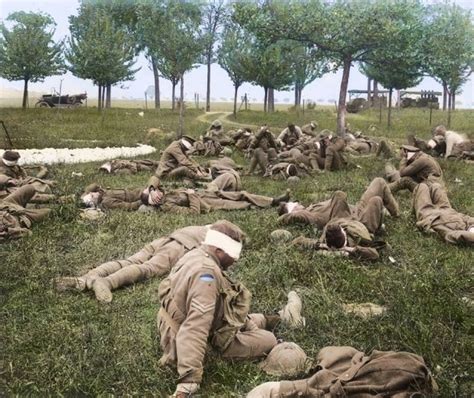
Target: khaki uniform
279	170
219	135
420	168
290	138
155	259
127	199
174	163
434	214
330	158
15	219
308	130
362	146
369	209
182	201
225	180
200	303
264	151
19	173
124	166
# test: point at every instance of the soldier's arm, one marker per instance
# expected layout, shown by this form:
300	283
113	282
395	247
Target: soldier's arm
193	208
298	217
183	160
364	253
113	203
413	168
191	340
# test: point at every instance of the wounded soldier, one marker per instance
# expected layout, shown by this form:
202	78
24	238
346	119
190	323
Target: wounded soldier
15	219
155	259
124	166
434	214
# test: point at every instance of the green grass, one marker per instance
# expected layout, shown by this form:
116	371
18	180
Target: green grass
67	344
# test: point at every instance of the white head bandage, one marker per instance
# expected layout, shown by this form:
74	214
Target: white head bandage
290	206
410	155
230	246
10	163
312	125
431	144
89	200
471	229
288	169
186	143
317	145
107	166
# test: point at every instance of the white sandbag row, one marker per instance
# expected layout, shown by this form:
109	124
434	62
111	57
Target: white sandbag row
79	155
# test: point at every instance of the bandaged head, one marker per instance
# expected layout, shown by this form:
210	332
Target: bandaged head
91	199
10	158
224	242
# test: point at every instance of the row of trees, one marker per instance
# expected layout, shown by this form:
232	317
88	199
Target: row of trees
275	44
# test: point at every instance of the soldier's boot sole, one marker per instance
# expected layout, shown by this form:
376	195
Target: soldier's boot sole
102	290
69	283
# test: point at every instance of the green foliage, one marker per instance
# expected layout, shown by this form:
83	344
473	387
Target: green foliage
170	31
27	50
100	49
449	45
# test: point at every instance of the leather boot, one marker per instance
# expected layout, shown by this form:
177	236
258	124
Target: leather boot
282	198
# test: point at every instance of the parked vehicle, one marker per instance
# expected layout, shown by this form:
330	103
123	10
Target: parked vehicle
63	101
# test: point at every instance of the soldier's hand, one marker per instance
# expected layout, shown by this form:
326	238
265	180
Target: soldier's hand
13	182
190	191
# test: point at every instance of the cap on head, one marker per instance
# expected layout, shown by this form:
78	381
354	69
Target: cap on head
410	148
216	123
335	236
313	125
285	359
187	141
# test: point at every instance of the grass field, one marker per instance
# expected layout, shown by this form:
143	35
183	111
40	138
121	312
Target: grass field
67	344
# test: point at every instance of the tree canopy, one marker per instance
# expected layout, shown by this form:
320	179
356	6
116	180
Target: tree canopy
28	51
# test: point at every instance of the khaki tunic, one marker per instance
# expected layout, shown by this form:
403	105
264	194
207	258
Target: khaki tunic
435	214
124	166
14	217
358	237
308	130
174	157
19	173
185	202
226	180
420	167
155	259
291	138
199	303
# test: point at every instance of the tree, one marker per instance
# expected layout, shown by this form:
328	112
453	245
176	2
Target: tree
214	16
232	56
399	63
309	64
27	50
449	46
172	36
347	31
99	49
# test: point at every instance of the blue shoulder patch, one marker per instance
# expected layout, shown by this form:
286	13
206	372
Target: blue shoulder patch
206	278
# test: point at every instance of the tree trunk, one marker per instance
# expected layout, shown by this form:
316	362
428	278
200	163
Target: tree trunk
265	98
450	98
236	89
173	98
389	108
103	97
453	101
156	77
208	88
25	94
369	100
108	101
341	111
271	100
181	108
99	99
445	95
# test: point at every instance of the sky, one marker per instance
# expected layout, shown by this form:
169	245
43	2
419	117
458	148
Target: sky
323	90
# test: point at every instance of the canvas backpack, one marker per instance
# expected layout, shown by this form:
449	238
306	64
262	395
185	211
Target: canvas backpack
347	372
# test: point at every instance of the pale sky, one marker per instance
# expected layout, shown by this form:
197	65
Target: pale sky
324	90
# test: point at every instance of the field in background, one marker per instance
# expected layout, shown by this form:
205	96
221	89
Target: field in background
67	344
